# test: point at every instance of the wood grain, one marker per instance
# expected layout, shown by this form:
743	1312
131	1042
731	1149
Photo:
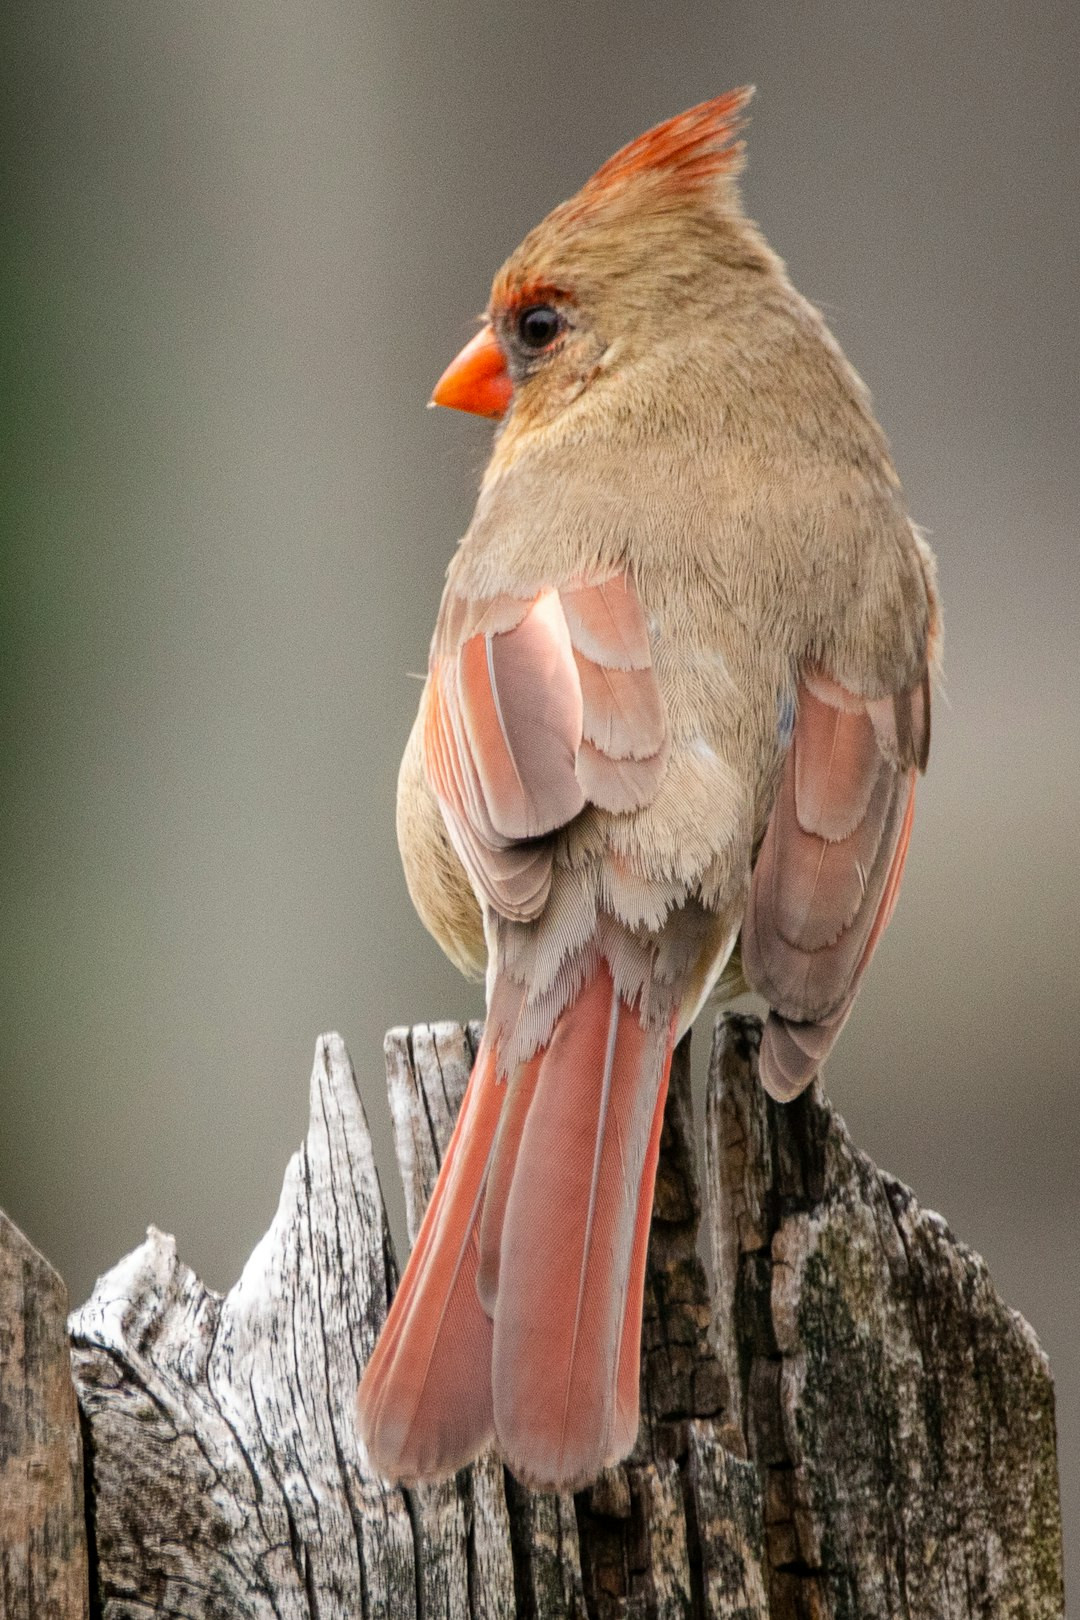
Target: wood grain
846	1423
43	1566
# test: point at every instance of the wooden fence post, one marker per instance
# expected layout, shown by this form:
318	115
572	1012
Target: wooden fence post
849	1423
42	1521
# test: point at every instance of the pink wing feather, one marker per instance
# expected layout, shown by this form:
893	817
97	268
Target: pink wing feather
527	724
828	871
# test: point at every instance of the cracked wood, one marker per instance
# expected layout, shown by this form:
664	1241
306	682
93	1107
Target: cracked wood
227	1478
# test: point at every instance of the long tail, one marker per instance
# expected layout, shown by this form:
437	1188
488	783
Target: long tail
425	1397
520	1309
564	1240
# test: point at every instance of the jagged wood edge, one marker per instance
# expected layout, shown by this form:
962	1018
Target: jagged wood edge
227	1474
227	1478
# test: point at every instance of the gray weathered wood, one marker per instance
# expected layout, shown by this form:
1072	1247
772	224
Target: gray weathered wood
730	1535
901	1417
227	1473
849	1424
42	1523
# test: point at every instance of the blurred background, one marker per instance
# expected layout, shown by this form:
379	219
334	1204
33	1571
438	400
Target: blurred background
243	240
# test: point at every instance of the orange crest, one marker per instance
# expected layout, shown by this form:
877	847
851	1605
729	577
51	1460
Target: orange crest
684	152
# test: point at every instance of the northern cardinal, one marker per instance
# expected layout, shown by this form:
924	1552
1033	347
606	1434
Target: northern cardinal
677	698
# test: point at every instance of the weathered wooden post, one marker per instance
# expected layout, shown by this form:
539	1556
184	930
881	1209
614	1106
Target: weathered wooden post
42	1518
850	1424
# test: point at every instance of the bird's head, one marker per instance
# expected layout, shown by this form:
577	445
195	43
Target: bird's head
652	245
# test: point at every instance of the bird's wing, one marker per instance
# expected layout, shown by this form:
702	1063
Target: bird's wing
828	871
438	883
538	707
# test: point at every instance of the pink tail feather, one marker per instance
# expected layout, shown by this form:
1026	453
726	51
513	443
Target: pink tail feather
540	1220
572	1244
425	1397
627	1414
504	1161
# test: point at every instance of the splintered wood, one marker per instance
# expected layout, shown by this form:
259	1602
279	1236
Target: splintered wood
848	1424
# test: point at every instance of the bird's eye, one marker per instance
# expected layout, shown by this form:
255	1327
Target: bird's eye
538	326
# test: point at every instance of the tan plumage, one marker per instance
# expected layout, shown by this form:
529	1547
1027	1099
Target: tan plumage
678	687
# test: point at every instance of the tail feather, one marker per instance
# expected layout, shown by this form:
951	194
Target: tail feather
519	1313
425	1398
628	1374
504	1161
572	1242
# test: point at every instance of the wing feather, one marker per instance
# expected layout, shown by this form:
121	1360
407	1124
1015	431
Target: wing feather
606	623
536	708
828	871
623	712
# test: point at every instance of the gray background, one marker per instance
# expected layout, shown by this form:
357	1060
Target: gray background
243	241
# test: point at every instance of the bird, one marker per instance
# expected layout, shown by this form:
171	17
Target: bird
677	699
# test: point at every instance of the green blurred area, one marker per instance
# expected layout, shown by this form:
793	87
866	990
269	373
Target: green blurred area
241	242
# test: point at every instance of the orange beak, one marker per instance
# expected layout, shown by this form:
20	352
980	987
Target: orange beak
477	379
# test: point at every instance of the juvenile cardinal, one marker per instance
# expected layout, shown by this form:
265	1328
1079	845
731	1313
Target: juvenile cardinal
677	698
